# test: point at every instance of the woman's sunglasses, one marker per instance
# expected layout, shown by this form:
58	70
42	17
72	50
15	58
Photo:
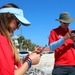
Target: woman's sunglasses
18	22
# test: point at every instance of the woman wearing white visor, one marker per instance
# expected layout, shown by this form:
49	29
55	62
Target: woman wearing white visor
10	19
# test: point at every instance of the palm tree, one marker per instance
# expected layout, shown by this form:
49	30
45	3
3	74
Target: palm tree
20	41
27	43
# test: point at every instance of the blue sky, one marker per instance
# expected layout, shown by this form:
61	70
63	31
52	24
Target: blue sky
42	15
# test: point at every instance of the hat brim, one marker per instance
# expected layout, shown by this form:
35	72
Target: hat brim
66	21
23	20
18	14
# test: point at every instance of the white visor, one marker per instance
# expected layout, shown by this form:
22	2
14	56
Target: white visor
18	13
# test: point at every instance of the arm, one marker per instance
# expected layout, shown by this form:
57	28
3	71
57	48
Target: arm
35	54
59	42
56	44
23	69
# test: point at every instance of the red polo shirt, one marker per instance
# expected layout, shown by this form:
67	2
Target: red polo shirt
7	63
65	54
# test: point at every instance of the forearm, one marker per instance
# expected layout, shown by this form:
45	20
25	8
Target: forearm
22	70
56	44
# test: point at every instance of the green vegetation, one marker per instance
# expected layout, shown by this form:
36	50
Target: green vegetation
25	44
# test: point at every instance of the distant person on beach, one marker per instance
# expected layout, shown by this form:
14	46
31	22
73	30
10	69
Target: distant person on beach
11	17
62	42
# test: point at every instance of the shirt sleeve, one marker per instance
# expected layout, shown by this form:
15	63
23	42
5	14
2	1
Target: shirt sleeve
56	44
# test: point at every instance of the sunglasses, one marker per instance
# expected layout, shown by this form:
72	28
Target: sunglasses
18	22
66	23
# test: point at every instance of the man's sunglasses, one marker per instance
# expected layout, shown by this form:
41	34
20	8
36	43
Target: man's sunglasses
66	23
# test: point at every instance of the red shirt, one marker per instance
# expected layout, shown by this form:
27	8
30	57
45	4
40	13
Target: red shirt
7	63
65	54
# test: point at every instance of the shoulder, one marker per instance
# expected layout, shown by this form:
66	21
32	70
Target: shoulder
3	39
54	30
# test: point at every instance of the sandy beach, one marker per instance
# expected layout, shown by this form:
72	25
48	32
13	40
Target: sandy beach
46	63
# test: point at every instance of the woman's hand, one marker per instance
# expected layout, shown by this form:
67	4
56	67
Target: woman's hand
38	50
35	58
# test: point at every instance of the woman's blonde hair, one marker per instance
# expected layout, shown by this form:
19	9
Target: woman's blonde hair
5	19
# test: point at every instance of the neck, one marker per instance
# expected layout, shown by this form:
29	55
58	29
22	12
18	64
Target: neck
65	29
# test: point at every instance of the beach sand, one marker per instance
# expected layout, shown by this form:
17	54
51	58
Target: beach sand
46	63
